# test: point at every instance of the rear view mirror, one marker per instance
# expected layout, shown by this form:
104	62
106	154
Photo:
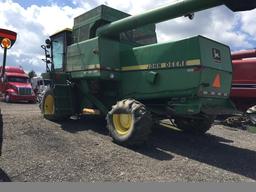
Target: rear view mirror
7	38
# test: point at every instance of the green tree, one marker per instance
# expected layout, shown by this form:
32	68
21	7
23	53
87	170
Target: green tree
32	74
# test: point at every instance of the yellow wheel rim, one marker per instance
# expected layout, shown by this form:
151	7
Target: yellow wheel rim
122	123
49	105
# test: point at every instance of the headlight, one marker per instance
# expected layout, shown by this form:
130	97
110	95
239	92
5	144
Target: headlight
13	93
15	90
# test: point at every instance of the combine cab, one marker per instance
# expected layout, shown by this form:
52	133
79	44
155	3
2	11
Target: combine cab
110	64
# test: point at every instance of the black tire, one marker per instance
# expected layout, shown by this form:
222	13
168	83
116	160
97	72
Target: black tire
140	125
50	113
193	125
7	98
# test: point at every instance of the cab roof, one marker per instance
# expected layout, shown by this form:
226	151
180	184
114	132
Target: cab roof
11	69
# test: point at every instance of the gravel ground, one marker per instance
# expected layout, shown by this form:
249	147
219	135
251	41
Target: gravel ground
37	150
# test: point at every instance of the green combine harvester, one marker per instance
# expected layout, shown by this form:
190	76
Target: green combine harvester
111	65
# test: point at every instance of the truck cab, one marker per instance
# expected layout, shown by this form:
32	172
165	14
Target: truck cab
15	85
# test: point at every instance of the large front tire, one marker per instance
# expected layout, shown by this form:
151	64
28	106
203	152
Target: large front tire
193	125
129	123
48	108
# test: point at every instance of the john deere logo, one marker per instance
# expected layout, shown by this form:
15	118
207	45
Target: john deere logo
216	54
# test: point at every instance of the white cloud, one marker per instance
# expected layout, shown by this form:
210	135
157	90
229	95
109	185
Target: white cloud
218	23
248	22
35	23
53	18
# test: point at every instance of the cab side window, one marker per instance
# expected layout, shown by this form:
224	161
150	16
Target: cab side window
58	52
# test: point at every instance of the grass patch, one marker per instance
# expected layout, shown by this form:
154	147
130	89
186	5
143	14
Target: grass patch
251	129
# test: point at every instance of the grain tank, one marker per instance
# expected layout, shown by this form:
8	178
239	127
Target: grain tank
110	64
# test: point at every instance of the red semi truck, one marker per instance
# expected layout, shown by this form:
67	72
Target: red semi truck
14	82
243	92
15	85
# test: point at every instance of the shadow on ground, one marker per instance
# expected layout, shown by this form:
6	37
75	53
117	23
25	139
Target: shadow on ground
209	149
4	177
96	124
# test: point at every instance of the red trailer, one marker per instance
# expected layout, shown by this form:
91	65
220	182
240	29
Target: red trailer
243	92
243	54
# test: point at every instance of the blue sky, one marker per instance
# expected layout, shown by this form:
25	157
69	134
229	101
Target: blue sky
28	3
35	20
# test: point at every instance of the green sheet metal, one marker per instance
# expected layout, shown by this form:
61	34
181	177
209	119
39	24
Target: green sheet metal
114	56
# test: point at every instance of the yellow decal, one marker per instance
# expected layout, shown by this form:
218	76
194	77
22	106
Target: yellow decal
135	68
167	65
96	66
193	62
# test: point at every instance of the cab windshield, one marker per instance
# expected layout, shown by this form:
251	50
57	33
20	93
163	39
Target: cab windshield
17	79
58	51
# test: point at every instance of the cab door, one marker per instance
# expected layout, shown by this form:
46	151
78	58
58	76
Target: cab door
60	41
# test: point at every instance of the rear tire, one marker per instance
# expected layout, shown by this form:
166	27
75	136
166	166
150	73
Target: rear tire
129	123
194	126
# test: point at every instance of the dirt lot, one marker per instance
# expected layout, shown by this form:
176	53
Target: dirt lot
39	150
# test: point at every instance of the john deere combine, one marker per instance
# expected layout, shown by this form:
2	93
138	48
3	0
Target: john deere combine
110	64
